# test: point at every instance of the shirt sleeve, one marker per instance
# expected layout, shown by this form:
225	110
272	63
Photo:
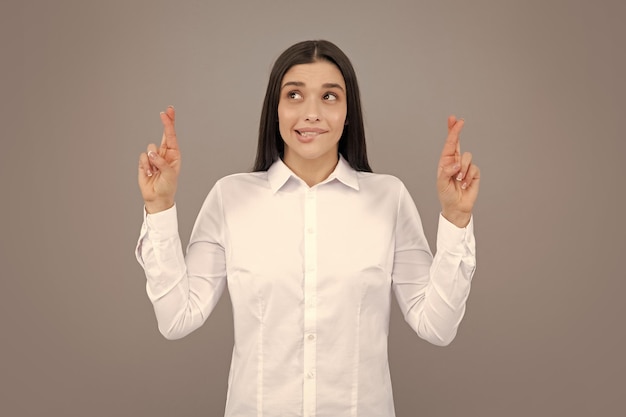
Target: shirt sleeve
184	290
432	292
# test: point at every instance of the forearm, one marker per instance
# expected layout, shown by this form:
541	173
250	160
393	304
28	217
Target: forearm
445	299
450	280
434	300
181	301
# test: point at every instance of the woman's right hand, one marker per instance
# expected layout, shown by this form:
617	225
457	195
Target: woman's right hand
159	168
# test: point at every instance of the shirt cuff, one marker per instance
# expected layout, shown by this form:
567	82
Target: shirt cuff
162	225
454	239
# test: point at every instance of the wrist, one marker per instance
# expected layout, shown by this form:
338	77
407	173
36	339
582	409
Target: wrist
153	207
459	219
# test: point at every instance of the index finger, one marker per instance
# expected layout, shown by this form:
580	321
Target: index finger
169	140
452	147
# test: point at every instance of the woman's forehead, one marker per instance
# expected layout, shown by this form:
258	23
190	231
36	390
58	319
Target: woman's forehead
314	74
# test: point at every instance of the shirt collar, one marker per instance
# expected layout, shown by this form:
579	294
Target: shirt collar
278	174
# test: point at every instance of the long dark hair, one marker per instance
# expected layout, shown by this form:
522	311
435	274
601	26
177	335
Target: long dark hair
352	141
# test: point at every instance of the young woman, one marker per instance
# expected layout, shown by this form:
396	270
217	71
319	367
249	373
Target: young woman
311	245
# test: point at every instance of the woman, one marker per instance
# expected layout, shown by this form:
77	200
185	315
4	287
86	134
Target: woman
310	244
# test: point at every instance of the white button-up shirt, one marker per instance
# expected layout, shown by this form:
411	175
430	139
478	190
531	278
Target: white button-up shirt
310	272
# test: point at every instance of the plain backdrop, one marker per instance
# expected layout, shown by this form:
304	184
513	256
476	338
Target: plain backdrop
540	84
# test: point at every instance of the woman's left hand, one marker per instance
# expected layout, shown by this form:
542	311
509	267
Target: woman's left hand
458	178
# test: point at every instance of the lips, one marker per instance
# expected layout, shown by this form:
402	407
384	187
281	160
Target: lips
308	134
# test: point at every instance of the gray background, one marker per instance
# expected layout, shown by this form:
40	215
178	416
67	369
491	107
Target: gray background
540	84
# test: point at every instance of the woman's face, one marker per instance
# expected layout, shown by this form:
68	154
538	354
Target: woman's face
312	112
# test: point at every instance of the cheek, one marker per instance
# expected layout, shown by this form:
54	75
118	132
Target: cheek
337	117
285	119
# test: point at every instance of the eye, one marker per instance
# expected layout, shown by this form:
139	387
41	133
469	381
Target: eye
330	97
294	95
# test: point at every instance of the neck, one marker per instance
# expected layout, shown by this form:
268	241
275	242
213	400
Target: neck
312	171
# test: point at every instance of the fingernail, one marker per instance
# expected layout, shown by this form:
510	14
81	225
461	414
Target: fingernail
464	186
459	177
148	172
152	155
170	106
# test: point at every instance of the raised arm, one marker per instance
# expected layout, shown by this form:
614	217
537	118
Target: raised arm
183	289
432	293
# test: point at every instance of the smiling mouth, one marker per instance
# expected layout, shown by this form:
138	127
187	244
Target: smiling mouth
308	134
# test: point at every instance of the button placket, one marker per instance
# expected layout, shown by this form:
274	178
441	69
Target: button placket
310	293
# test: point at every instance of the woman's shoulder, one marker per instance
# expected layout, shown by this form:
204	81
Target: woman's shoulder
238	187
242	179
376	179
381	187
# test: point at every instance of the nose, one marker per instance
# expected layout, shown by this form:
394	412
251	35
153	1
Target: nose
312	112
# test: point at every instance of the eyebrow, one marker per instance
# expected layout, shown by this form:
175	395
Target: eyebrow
301	84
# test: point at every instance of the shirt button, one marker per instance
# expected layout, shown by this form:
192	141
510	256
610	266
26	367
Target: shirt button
310	230
311	337
310	375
